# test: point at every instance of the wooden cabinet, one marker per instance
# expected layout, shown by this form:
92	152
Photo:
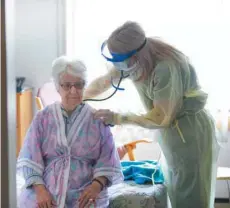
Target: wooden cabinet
24	115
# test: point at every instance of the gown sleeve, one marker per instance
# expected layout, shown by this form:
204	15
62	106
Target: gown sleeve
166	92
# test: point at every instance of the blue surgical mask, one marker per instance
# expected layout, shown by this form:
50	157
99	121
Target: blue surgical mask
123	66
136	74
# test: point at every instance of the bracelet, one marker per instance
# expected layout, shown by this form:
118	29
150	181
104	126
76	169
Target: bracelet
102	185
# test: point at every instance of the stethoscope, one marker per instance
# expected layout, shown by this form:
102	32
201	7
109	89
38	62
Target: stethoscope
124	56
115	91
116	88
117	58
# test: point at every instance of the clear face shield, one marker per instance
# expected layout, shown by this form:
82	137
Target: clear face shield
121	61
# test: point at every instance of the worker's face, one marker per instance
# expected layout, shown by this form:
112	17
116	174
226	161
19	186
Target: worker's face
132	61
128	65
71	90
136	73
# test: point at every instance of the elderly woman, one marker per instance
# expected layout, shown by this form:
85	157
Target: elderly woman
68	159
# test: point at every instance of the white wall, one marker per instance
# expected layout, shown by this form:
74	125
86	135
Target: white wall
40	37
145	151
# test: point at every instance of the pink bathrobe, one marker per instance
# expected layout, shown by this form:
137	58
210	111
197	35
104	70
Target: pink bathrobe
66	165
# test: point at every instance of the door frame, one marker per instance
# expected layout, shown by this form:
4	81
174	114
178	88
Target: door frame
8	105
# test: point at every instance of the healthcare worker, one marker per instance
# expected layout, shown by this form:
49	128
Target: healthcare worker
168	87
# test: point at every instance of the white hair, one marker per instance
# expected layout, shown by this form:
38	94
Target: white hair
63	64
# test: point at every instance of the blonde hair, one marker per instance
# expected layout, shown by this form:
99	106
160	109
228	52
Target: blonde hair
131	36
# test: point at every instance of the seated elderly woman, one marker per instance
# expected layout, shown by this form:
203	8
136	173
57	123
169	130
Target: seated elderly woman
68	159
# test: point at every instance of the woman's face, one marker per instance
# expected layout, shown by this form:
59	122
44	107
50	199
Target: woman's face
71	90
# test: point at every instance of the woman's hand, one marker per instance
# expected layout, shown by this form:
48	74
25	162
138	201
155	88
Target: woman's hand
89	195
44	198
